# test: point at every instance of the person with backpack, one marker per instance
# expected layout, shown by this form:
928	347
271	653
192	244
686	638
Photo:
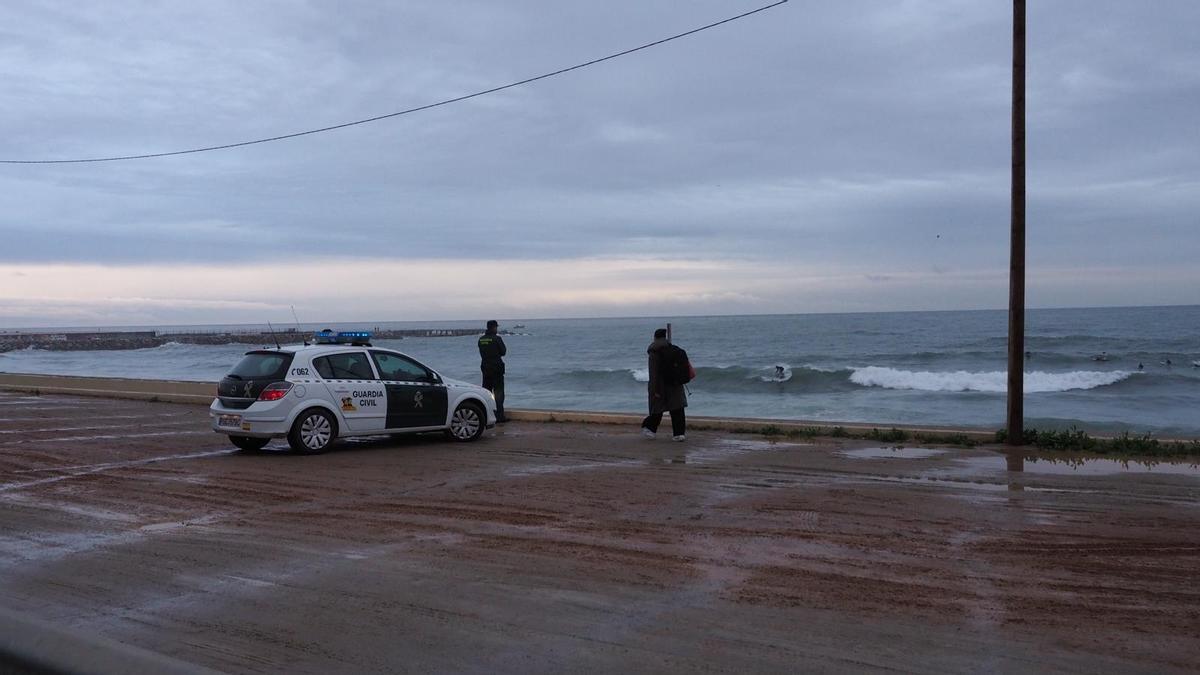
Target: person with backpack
669	371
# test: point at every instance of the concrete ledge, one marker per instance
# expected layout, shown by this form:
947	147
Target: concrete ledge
28	647
202	393
171	391
748	424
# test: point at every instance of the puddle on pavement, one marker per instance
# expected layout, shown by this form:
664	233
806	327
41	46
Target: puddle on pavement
1080	466
564	468
721	450
893	453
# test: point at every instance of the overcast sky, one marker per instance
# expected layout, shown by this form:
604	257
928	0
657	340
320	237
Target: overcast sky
818	156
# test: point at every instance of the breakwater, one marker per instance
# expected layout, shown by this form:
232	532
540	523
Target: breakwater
112	340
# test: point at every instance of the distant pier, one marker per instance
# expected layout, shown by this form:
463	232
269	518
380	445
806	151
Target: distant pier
110	340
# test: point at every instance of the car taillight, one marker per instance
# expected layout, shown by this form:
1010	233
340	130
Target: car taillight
275	391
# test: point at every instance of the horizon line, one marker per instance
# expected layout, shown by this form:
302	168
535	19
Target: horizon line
18	329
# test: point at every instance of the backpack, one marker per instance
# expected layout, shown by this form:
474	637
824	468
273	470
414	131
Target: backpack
674	367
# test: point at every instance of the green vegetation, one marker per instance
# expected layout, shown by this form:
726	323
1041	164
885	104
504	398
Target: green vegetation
961	440
1077	440
891	436
894	435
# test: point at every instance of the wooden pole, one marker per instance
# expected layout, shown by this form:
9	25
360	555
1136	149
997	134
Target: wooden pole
1016	272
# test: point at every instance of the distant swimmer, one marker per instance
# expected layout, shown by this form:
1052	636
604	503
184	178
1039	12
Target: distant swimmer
1165	362
1196	364
1102	356
1140	366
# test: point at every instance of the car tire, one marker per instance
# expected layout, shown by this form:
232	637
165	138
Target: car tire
467	422
313	432
249	443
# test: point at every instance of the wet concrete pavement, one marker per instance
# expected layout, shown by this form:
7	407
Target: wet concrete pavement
550	547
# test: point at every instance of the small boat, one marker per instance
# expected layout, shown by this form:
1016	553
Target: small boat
518	326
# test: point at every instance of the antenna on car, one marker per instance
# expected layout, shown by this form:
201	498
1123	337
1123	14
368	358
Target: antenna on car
298	324
276	338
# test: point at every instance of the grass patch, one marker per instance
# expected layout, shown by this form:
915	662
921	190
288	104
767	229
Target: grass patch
890	436
961	440
893	435
1078	440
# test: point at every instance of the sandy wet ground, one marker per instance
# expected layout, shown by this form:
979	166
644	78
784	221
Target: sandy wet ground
550	547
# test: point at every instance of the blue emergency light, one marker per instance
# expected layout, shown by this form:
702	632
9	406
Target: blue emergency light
345	337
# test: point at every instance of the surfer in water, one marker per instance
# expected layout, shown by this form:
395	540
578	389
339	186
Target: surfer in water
779	373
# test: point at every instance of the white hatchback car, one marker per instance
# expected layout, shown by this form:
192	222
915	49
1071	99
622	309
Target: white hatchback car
342	386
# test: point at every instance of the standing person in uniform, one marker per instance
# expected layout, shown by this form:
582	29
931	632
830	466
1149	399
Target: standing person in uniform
491	349
664	396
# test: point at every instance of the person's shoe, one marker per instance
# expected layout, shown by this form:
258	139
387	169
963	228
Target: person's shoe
647	433
680	437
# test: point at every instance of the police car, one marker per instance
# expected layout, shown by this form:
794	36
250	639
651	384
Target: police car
342	386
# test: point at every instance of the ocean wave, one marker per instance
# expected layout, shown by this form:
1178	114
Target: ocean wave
725	378
990	381
780	372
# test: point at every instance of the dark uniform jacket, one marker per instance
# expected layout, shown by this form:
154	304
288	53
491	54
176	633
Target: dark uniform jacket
491	348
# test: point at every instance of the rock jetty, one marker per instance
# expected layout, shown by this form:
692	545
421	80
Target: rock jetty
108	340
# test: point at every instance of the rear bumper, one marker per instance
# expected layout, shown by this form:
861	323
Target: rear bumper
260	420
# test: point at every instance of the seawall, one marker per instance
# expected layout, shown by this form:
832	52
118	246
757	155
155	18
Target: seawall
202	393
116	340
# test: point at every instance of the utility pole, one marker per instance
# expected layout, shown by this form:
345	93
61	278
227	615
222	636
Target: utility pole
1016	272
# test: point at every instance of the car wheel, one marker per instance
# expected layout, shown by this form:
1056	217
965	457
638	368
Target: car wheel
467	422
249	443
312	432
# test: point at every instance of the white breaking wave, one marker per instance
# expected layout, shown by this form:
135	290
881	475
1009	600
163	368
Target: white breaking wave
992	381
641	374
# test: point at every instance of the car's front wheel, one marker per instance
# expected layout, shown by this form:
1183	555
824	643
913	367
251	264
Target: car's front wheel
312	432
249	443
467	422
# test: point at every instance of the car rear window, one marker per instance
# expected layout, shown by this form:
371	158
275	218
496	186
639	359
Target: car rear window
262	365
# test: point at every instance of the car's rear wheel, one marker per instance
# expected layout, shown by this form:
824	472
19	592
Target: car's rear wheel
312	432
467	422
249	443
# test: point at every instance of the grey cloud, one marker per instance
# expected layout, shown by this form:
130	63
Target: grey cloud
853	132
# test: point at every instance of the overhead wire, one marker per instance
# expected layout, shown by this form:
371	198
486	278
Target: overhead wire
377	118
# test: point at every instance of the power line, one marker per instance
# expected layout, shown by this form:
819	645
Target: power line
402	112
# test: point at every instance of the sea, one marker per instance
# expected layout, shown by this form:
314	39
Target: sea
1103	370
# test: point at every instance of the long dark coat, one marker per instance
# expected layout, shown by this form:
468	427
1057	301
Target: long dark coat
670	396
